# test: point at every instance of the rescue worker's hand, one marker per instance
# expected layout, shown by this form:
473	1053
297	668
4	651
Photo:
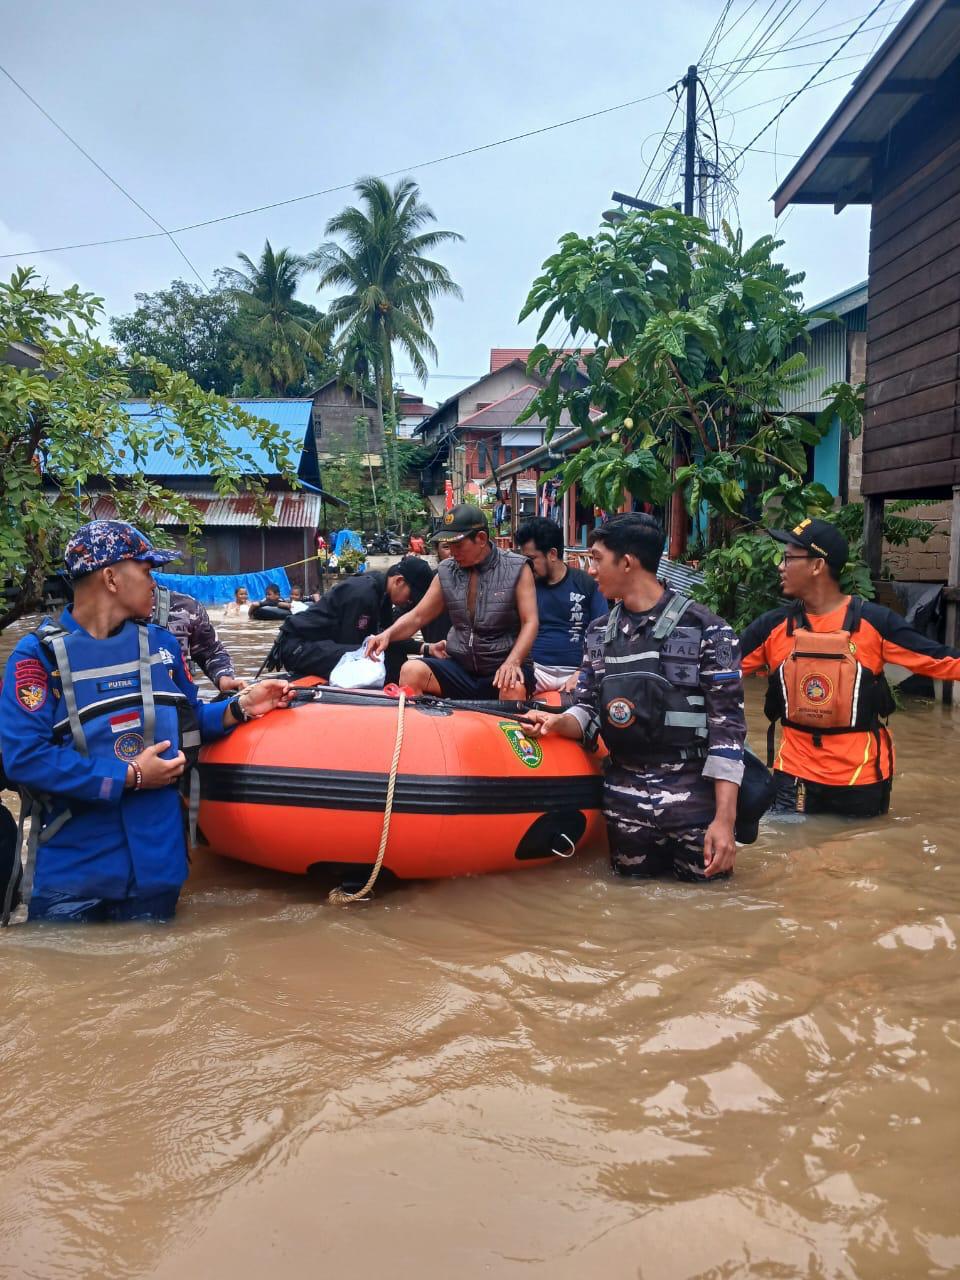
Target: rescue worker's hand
507	676
537	724
154	771
375	645
719	847
438	649
266	696
231	684
571	684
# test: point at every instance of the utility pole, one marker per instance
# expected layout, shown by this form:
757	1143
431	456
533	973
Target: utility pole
678	512
690	140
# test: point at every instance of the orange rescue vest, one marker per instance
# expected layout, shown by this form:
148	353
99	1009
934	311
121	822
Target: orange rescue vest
821	688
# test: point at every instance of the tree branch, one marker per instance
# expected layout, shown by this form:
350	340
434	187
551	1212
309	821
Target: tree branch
692	408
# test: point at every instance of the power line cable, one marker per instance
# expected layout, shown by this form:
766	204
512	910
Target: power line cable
760	48
756	27
767	53
793	48
733	26
716	34
676	108
343	186
765	102
792	99
109	177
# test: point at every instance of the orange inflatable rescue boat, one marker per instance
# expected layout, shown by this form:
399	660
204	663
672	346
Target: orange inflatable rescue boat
304	789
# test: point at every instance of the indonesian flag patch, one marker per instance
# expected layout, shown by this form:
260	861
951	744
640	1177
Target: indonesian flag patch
31	683
125	721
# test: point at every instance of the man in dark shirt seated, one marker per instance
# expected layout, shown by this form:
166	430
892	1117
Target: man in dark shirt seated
567	601
312	642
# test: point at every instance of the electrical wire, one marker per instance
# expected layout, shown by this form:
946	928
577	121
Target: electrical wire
343	186
793	97
756	27
109	177
794	48
716	35
730	30
765	102
676	108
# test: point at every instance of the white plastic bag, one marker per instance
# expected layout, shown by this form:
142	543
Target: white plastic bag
356	671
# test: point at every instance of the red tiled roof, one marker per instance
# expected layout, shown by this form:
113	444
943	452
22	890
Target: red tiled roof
505	411
500	356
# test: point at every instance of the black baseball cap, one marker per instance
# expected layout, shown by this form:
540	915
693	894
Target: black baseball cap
460	523
817	538
416	573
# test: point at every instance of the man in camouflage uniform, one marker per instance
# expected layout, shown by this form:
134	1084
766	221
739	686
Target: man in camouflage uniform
660	682
199	642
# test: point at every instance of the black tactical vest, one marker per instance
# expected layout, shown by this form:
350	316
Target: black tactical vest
651	707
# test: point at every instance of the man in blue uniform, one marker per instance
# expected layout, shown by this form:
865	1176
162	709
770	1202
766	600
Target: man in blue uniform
661	684
97	716
567	602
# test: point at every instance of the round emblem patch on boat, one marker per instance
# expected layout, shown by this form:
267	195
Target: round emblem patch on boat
817	689
128	745
620	713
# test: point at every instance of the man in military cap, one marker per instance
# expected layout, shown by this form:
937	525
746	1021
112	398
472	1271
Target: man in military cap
661	684
492	602
98	717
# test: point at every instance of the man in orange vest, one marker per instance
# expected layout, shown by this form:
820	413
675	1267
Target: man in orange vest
824	653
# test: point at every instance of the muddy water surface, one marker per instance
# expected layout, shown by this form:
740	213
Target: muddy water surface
543	1074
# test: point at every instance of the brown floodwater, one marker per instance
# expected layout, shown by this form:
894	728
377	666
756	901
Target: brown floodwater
543	1074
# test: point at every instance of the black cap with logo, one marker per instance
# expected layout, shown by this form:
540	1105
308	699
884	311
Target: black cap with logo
460	523
416	573
817	538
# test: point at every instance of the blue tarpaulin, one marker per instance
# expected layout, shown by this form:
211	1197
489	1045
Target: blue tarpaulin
219	588
346	539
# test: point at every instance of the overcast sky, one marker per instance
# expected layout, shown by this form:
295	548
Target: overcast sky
203	110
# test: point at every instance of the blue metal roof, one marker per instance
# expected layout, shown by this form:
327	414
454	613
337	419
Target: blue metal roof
291	416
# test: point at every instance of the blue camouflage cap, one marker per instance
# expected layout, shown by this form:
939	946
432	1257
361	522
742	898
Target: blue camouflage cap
105	542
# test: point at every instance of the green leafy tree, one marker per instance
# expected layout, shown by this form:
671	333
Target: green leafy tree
187	329
62	429
388	286
690	347
690	357
279	338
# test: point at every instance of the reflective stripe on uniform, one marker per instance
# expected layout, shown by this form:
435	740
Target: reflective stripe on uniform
146	689
69	693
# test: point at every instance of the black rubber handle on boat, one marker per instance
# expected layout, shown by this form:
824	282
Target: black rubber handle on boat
347	697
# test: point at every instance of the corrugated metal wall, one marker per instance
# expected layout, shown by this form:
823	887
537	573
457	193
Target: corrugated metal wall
826	350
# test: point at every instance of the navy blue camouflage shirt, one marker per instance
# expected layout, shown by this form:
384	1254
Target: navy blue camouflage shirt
720	682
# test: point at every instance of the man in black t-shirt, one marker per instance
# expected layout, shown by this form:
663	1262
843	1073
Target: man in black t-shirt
567	601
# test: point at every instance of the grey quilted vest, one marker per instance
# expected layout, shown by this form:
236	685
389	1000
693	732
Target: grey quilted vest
481	645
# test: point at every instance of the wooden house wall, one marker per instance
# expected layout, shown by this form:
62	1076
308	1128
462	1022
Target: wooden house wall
335	412
911	438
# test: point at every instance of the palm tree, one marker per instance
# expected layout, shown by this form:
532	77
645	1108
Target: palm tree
389	284
278	333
